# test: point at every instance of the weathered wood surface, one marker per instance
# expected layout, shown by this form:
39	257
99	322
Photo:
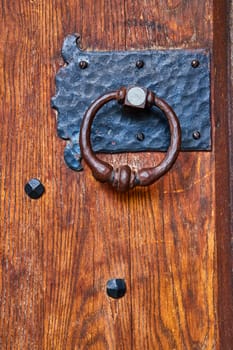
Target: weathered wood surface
223	148
57	253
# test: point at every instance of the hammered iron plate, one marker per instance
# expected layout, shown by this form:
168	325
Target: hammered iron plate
168	73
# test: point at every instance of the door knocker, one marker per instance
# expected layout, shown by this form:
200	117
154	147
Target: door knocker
182	123
124	178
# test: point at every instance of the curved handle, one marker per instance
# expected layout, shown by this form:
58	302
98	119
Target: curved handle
124	178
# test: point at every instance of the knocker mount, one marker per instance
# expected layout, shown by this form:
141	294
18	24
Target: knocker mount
181	77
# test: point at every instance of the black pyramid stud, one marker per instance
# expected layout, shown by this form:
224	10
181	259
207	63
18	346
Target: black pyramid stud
116	288
34	188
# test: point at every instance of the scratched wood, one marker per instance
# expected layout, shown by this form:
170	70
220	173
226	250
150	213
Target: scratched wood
58	252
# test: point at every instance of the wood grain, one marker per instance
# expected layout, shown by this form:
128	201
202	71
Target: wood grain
223	153
58	252
178	265
176	268
168	23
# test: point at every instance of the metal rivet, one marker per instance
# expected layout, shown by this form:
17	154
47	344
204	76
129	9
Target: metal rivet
116	288
196	135
34	188
140	136
140	64
83	64
195	63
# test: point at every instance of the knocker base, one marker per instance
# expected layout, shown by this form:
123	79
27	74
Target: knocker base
181	77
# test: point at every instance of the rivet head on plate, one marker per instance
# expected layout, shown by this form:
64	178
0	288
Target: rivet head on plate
195	63
196	135
140	136
140	64
83	64
116	288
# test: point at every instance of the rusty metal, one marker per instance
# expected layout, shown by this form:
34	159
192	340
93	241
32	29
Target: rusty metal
123	177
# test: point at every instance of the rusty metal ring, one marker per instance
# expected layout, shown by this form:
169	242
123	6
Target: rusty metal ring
124	178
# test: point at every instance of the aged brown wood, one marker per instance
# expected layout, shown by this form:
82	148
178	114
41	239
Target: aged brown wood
223	151
169	23
189	238
169	242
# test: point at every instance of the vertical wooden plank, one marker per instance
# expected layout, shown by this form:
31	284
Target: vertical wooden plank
174	285
174	234
82	316
21	244
222	94
54	264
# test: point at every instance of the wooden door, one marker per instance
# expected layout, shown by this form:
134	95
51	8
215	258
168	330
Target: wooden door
170	242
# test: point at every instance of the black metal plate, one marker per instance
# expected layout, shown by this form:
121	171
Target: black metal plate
168	73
